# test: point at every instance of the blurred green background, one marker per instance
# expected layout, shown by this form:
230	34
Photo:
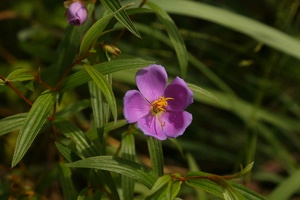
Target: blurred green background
255	118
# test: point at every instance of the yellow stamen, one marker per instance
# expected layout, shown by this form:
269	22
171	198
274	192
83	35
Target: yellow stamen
160	104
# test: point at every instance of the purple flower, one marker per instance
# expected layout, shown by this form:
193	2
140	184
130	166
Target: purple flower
76	13
157	109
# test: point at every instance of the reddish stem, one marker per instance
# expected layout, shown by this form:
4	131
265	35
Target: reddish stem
18	93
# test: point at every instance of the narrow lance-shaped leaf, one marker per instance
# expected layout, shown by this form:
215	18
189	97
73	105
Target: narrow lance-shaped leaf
85	148
122	17
128	152
34	121
98	113
12	123
20	75
119	165
93	33
174	35
96	31
160	183
83	144
215	185
156	155
173	189
104	86
104	68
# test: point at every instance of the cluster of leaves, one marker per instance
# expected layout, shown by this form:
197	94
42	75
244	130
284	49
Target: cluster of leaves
81	61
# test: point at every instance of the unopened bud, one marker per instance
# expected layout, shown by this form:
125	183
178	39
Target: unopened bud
77	13
112	49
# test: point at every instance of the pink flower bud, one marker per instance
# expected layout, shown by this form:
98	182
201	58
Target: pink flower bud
77	13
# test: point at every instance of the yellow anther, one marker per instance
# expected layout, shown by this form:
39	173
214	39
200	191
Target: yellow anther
160	104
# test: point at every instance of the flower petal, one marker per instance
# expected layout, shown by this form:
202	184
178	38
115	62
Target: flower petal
151	126
182	95
152	81
175	123
135	106
77	13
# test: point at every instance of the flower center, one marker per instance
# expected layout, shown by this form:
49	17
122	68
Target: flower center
160	105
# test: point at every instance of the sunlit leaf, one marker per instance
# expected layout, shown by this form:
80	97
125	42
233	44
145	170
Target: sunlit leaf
34	121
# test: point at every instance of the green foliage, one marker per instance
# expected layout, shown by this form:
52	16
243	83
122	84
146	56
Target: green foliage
62	132
35	119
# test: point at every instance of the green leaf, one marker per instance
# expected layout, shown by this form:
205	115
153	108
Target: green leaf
193	179
174	35
202	91
247	193
218	187
173	189
156	155
229	193
67	153
20	74
65	178
165	188
244	170
255	29
105	88
34	121
98	104
11	123
121	16
85	148
93	33
119	165
128	152
161	182
104	68
83	144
